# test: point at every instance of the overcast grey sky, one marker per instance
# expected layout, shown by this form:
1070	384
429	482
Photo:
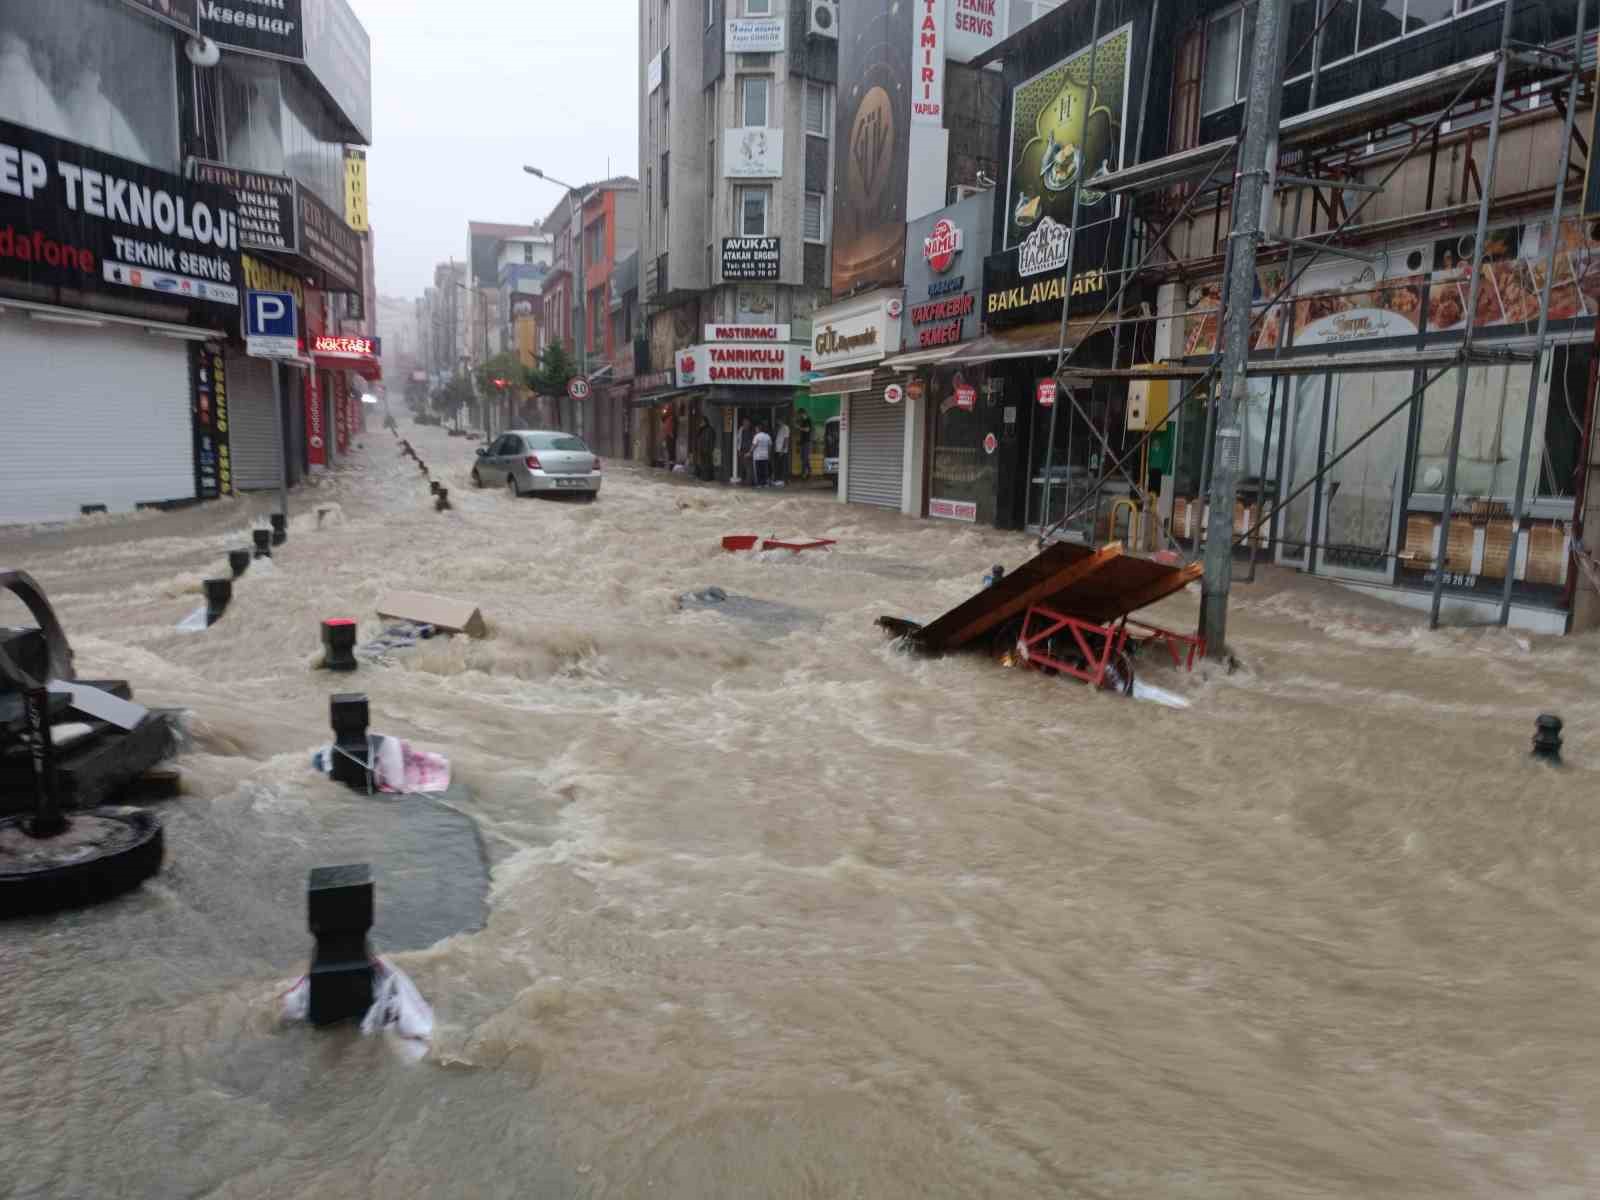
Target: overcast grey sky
466	91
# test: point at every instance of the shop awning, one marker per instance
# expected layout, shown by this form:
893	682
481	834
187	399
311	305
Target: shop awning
838	385
663	397
921	358
347	353
1028	341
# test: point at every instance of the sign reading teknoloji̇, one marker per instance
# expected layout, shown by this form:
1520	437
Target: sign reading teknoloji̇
73	217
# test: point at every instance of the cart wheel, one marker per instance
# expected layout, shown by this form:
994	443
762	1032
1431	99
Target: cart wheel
1119	673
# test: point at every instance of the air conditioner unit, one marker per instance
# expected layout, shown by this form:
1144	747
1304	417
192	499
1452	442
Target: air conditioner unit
824	19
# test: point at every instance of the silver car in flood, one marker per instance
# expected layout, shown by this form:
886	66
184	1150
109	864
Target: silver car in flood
538	460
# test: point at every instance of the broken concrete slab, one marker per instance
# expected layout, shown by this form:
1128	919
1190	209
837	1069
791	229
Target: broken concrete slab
454	616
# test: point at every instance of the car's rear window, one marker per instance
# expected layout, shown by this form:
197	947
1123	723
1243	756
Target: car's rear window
556	441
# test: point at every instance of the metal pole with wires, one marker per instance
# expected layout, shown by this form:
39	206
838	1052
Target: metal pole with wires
1254	176
1066	293
1519	499
1441	555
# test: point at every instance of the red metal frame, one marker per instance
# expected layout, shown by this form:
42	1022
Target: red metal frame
1111	636
1169	638
1113	639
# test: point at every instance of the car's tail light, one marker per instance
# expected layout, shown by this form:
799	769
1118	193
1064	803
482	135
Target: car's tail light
532	462
597	463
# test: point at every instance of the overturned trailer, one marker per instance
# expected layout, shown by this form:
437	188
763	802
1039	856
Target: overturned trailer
1068	610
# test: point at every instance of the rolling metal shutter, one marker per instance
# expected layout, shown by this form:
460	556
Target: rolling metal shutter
252	422
877	447
93	415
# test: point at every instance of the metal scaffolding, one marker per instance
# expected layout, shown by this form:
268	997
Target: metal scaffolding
1319	152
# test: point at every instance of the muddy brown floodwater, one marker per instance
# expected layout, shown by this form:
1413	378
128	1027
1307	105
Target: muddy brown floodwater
776	911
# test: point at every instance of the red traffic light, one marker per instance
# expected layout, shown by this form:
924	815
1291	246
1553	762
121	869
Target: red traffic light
500	384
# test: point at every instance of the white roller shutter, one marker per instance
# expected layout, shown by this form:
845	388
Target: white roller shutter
252	422
877	433
93	415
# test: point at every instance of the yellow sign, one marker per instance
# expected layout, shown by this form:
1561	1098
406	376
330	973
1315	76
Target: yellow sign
355	189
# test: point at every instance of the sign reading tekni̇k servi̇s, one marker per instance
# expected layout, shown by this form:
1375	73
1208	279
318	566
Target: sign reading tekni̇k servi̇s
75	217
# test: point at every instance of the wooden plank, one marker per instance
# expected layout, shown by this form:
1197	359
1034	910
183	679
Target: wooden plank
1166	586
1002	607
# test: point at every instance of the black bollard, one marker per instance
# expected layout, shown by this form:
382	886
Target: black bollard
339	644
442	499
1547	738
239	561
218	593
352	756
280	528
433	486
263	541
339	904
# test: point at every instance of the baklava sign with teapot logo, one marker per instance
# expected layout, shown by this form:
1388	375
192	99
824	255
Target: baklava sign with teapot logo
1067	131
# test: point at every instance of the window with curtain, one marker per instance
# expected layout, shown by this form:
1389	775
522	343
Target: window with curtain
754	95
813	220
817	110
752	204
94	72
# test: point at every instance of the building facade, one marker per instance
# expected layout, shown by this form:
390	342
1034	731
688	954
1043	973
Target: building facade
165	167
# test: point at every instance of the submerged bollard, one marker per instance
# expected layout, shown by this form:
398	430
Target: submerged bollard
339	904
352	756
263	541
280	528
218	593
339	644
239	561
1547	738
442	500
433	486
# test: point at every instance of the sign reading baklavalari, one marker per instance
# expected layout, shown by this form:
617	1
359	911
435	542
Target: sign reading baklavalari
1066	131
75	217
750	258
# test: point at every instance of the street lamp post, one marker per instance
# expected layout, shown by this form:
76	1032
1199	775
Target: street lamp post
576	208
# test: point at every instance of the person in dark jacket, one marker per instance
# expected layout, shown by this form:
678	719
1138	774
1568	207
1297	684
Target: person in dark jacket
705	450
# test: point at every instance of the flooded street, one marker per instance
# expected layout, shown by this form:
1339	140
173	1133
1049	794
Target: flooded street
777	911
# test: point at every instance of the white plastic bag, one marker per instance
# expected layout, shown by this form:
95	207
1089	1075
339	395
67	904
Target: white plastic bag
396	1003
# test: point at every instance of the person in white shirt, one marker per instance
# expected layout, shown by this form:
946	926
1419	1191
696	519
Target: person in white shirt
780	452
761	456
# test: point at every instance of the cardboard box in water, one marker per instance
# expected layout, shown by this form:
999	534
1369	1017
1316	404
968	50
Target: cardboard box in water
456	616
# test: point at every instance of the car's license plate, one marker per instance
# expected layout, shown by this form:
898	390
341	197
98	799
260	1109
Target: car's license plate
561	483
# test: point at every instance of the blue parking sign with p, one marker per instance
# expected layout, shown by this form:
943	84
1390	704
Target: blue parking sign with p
269	315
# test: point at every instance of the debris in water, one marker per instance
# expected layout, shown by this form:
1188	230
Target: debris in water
775	619
457	616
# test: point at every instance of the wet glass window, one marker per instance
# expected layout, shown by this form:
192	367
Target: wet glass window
1422	13
1381	21
557	441
1563	421
1302	23
93	72
1220	85
252	113
1339	33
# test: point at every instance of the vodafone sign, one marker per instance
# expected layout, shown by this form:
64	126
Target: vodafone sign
942	245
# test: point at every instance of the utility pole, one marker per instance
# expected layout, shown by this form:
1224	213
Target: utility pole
1251	180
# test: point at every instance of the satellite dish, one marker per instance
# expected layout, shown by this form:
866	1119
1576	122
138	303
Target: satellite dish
202	52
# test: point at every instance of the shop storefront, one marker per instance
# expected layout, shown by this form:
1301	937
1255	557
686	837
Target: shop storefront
944	279
882	433
102	302
748	373
1373	519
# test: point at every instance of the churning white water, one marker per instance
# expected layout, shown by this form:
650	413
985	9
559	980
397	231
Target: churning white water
776	911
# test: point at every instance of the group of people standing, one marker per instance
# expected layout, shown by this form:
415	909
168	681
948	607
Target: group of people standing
763	454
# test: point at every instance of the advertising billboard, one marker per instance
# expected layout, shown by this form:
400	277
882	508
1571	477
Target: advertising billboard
873	128
1067	129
